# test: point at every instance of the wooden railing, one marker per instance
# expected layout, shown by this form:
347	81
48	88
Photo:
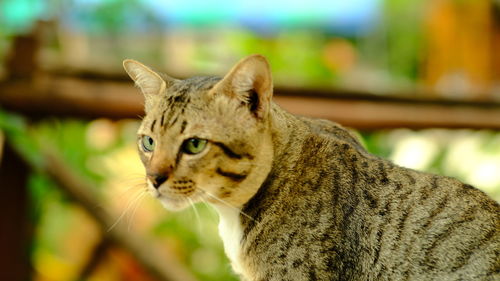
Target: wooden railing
59	96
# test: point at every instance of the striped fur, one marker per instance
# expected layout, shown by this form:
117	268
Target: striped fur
314	204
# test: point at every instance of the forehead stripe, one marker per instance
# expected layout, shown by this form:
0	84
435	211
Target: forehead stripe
174	121
177	110
162	118
169	117
153	125
183	126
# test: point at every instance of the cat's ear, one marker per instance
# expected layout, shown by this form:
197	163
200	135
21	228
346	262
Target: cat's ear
249	81
150	82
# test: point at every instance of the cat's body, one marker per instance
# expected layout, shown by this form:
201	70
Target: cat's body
302	199
335	212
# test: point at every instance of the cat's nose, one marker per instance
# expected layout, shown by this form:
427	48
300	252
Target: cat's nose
157	180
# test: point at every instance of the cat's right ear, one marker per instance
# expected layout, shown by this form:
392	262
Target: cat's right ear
150	82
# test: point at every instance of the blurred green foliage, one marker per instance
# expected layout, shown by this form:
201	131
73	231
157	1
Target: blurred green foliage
199	244
391	45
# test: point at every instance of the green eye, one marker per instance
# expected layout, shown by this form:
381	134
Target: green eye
194	145
148	144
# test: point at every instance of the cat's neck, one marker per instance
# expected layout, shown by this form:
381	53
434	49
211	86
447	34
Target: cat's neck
289	133
285	129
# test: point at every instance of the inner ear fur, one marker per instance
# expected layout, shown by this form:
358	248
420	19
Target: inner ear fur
249	81
144	77
150	82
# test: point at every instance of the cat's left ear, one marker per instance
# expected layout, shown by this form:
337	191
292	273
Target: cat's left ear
250	82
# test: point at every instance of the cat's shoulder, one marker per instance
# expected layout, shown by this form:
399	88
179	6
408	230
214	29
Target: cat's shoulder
334	132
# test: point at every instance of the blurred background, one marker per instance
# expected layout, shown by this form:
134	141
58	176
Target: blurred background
418	79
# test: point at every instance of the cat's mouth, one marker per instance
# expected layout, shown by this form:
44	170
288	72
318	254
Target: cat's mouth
176	200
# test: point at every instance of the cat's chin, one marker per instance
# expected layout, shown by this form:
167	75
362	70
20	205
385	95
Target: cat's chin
174	205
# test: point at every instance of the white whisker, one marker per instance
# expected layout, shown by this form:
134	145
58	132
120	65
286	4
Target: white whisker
136	196
131	179
137	204
212	211
196	214
228	204
131	188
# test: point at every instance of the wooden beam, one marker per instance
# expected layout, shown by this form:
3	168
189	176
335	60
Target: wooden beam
48	96
364	114
93	98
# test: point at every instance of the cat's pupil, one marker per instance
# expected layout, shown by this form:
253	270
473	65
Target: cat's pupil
195	142
194	145
148	143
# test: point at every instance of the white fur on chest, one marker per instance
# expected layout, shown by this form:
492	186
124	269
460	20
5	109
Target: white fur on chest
231	232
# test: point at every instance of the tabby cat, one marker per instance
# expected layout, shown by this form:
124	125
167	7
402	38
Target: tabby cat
300	198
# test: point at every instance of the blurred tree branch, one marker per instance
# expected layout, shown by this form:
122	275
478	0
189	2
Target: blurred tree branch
95	258
161	265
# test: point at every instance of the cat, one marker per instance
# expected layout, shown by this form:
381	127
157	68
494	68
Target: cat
300	198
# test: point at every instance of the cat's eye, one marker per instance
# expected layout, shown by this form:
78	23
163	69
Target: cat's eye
148	144
194	145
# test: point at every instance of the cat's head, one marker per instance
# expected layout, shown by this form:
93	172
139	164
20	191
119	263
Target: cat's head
205	138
